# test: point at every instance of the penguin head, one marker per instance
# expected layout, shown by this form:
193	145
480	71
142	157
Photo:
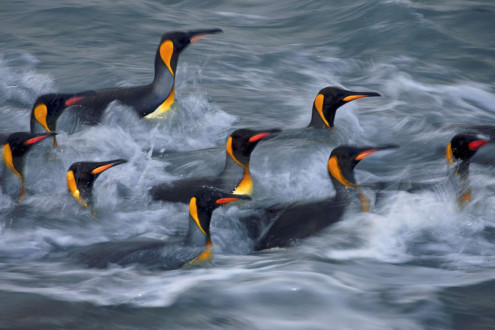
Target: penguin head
463	147
328	100
241	143
173	43
205	201
82	175
48	107
17	145
343	159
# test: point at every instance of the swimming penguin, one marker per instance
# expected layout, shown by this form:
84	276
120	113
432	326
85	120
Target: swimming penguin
458	153
48	107
292	222
152	100
164	254
328	100
81	177
234	178
15	146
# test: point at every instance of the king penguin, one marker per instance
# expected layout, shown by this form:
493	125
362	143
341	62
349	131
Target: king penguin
15	146
81	177
328	100
235	176
151	100
48	107
164	254
292	222
459	152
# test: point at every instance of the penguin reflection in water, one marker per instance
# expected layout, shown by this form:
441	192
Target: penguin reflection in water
164	254
81	177
14	148
151	100
292	222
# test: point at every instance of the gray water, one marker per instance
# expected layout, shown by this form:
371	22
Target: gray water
416	261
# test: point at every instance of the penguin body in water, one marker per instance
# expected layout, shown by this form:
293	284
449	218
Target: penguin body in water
235	177
151	100
81	177
292	222
164	254
14	148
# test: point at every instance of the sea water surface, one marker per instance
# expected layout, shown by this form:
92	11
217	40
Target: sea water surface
416	261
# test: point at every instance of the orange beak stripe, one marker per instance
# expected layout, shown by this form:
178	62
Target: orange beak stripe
258	137
35	139
365	154
353	97
73	100
101	168
199	36
226	200
475	145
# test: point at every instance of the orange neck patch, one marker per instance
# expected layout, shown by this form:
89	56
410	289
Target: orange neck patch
40	112
193	211
336	172
319	107
230	152
166	52
71	184
8	160
449	154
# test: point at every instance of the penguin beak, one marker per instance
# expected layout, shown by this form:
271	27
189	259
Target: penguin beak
231	198
351	96
38	138
475	145
371	151
198	34
259	136
105	167
73	100
365	154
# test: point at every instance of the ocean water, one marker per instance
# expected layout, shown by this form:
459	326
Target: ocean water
416	261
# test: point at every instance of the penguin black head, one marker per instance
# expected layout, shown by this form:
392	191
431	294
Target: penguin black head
343	159
328	100
463	147
341	165
16	146
48	107
241	143
205	200
82	175
173	43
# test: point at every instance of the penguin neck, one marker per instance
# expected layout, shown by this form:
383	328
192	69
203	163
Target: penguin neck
86	190
195	236
342	192
464	192
164	73
238	173
318	120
